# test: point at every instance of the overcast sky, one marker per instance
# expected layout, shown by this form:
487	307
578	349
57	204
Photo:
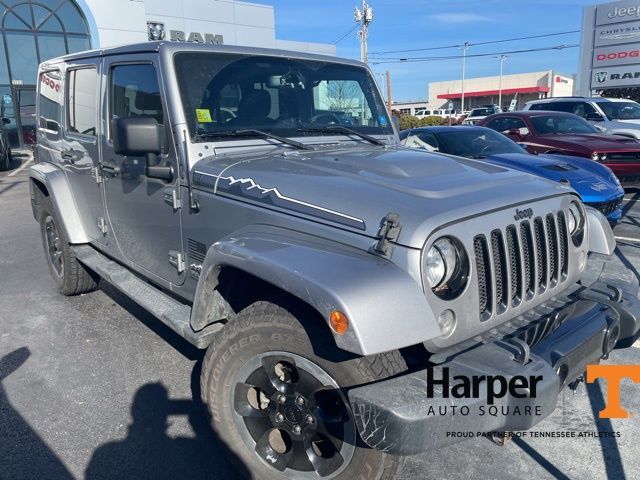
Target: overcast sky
405	24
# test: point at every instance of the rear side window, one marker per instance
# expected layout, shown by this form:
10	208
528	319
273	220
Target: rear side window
135	92
82	87
50	102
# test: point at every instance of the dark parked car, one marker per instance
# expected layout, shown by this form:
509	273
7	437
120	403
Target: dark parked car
595	183
5	149
568	134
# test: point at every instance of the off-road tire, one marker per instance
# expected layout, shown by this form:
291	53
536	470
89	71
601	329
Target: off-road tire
267	327
75	278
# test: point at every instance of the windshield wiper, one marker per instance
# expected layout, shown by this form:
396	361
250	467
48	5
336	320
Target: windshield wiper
342	129
251	132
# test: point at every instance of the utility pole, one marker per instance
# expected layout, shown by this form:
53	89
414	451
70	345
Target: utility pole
502	59
364	17
464	59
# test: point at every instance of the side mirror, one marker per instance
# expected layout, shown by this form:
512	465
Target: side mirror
6	121
141	136
594	117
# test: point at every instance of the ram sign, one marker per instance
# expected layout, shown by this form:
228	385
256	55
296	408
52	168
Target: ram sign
610	46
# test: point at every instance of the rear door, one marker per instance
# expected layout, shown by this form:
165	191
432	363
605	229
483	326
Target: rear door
76	147
141	215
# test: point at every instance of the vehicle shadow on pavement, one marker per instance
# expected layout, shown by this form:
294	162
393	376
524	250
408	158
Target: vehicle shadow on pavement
23	454
149	452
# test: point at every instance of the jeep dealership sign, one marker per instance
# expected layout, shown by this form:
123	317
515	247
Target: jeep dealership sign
610	46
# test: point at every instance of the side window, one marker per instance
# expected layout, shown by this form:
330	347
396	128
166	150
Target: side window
134	92
50	103
582	109
81	101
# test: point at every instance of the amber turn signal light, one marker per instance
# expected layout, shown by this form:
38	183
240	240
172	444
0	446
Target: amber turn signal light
339	322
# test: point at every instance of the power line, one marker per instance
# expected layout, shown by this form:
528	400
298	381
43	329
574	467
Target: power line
455	57
345	34
490	42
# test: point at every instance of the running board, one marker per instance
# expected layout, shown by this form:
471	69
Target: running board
172	313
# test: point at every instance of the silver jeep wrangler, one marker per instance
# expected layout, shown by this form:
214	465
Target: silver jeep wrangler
259	204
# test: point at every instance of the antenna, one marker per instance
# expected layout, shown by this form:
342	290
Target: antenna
364	17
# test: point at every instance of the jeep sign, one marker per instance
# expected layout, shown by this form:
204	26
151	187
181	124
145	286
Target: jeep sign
610	46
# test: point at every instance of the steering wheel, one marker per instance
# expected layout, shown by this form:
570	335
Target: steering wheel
328	118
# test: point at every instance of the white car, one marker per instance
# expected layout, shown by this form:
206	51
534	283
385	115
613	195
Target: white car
477	114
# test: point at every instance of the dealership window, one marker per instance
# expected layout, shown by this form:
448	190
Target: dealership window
31	32
81	106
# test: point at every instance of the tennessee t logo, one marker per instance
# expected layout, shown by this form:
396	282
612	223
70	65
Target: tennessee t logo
613	374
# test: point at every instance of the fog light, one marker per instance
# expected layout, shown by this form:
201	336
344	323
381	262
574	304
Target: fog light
447	322
339	322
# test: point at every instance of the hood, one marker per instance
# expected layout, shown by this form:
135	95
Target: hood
630	124
356	187
592	142
593	181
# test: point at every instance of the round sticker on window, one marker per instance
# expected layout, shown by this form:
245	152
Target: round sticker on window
382	120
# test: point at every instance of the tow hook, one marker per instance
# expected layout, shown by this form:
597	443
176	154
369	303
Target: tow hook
501	438
573	386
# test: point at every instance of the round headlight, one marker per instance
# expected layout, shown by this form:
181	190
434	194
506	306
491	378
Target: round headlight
575	223
574	218
444	268
603	157
595	156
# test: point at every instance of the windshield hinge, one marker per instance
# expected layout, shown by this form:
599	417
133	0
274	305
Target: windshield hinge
177	260
388	233
96	173
170	195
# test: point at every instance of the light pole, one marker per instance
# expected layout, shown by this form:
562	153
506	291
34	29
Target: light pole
464	59
502	59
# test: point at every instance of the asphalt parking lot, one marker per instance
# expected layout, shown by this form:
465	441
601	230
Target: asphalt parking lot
93	387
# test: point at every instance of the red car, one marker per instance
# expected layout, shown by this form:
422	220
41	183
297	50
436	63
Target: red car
566	133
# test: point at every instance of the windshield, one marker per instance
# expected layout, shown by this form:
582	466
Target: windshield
620	110
223	93
476	143
561	124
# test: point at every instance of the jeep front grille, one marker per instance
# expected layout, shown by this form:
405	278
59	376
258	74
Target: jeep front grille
516	264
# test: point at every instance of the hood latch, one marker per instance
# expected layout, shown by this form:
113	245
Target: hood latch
388	233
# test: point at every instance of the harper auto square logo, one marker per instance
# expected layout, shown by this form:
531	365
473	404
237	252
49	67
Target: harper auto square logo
601	77
613	374
155	31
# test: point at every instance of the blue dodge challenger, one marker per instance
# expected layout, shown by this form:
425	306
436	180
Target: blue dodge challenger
594	182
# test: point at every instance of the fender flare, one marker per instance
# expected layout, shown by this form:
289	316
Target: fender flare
601	238
386	307
57	185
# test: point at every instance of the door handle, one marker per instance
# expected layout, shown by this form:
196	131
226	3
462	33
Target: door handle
69	155
112	171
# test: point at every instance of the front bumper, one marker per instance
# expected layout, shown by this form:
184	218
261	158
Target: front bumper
396	415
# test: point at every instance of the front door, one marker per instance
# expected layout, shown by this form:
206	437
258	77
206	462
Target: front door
25	108
144	225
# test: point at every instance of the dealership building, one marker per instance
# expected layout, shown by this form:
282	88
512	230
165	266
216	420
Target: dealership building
523	87
32	31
